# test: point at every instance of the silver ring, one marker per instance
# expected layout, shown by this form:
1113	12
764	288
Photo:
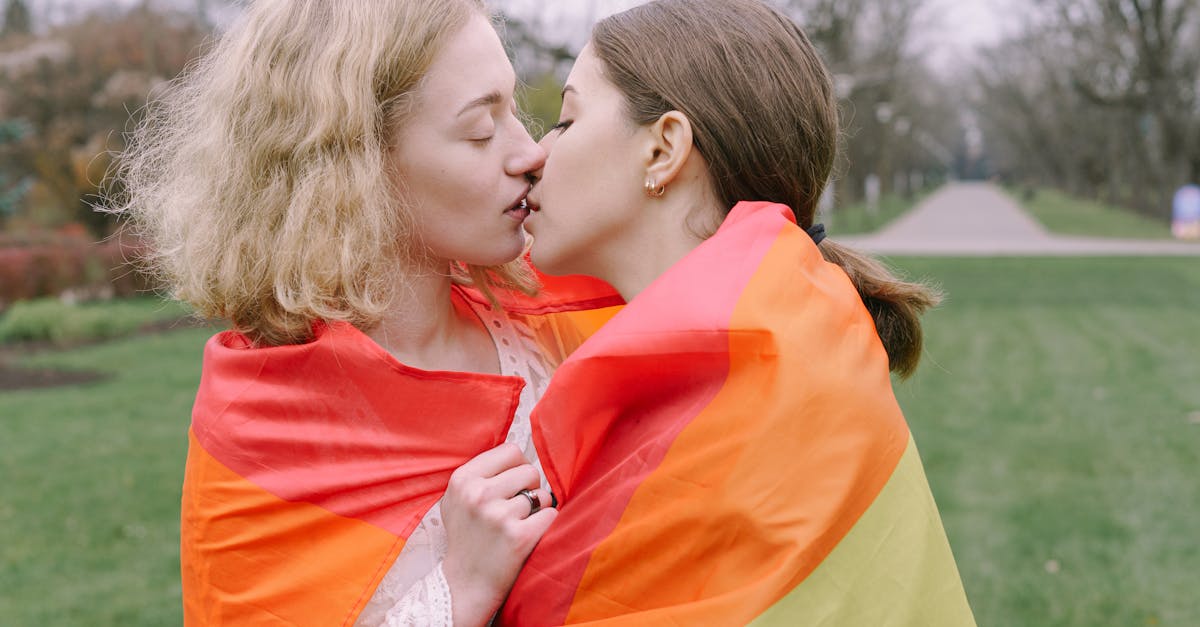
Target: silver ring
534	502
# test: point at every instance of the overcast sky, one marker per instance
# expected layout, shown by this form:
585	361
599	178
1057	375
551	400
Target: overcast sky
952	28
955	28
962	25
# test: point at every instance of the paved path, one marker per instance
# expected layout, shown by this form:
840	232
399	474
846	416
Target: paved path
978	219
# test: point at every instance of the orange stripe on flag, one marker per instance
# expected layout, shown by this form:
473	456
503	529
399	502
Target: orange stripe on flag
249	557
590	321
758	489
717	444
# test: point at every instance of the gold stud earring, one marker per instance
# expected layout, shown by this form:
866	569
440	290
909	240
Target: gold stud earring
653	190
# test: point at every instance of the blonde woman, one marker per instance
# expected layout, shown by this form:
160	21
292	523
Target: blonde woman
345	183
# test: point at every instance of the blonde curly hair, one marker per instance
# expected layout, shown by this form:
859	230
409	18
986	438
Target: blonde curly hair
259	177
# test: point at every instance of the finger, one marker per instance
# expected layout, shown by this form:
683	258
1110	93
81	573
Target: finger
540	522
526	533
494	461
513	480
520	506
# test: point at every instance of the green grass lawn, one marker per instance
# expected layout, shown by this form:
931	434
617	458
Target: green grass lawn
1058	414
1067	215
856	219
89	504
1055	411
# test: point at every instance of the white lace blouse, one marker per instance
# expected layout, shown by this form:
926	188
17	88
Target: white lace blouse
414	591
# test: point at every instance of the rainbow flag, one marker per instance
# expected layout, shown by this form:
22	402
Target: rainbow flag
309	465
727	450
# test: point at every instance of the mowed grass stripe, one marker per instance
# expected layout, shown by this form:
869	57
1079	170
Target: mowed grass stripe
91	483
1069	215
1053	412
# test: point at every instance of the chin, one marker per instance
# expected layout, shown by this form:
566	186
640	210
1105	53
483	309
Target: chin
496	257
545	261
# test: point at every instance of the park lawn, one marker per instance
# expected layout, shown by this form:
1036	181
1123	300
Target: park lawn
1058	414
89	505
856	219
1067	215
1055	412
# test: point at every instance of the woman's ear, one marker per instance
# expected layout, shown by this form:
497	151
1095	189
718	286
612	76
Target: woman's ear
669	149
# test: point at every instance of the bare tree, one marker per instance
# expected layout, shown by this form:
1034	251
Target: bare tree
17	19
1099	97
899	118
74	86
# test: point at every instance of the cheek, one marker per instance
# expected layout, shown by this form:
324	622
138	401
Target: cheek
548	141
456	178
562	153
584	164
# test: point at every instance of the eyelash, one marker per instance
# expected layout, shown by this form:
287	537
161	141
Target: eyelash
562	126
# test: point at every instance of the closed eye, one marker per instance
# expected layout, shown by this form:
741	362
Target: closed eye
562	126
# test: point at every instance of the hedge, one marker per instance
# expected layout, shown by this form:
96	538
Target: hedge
53	264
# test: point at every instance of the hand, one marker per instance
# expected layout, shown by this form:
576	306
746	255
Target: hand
490	531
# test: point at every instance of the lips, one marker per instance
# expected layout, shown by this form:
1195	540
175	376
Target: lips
533	207
519	210
520	203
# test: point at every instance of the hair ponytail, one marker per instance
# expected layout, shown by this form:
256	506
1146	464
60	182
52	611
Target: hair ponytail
895	305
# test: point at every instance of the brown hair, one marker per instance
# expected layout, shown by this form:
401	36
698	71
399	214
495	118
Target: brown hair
764	116
260	175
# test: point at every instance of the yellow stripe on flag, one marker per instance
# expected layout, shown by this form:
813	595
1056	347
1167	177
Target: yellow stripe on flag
895	564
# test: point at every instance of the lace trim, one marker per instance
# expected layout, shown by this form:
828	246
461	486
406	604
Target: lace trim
427	603
520	356
414	591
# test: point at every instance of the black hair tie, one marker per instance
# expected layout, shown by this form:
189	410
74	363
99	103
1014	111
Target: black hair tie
817	233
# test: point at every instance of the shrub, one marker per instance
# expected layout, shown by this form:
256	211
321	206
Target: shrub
35	265
31	321
51	320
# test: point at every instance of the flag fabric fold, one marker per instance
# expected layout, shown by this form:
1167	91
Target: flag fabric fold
728	450
309	465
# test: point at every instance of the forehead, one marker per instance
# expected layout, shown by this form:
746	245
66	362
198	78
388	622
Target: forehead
587	71
588	87
471	63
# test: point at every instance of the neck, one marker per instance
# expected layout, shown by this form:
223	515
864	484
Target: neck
681	224
425	328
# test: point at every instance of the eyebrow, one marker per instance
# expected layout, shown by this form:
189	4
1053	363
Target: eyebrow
489	100
569	88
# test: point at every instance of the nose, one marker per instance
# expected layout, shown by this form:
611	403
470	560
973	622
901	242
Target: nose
546	144
528	158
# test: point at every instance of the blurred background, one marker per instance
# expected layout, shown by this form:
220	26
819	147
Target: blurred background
1035	158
